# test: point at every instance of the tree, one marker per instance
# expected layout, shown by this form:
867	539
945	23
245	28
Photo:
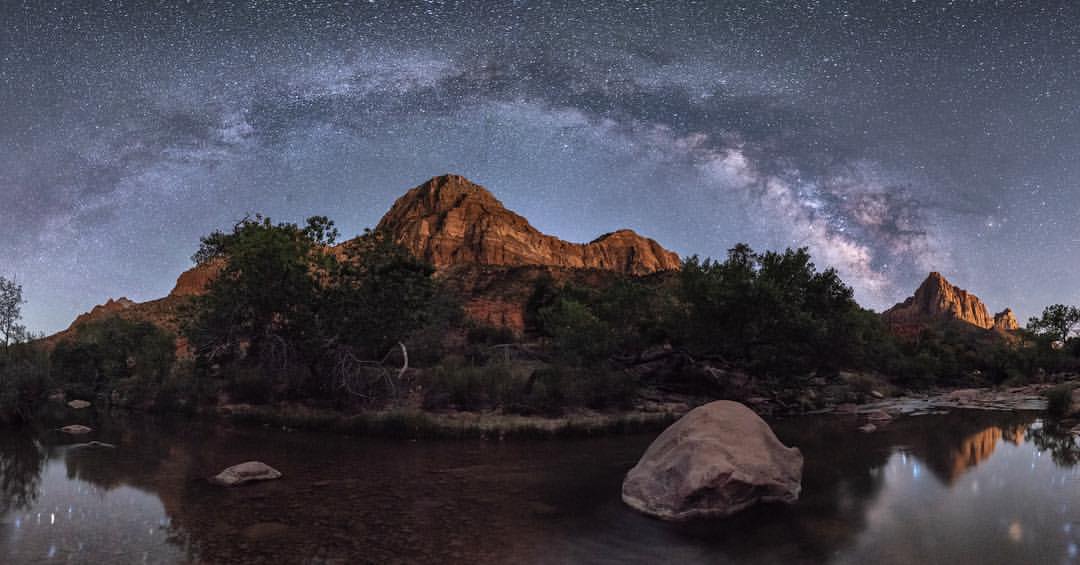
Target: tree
11	301
107	353
775	312
379	295
1057	322
263	306
289	306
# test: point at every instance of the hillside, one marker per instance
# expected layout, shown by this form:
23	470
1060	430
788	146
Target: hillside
488	254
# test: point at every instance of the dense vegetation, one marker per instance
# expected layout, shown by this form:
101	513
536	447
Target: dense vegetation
293	318
290	317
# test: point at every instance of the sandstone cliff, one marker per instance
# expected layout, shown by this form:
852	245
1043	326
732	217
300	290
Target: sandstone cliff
487	254
451	221
937	300
1005	320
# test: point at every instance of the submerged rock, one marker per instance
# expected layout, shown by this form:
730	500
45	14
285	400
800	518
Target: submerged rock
78	404
717	460
93	445
868	428
76	429
246	472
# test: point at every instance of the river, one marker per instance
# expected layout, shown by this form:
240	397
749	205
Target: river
964	487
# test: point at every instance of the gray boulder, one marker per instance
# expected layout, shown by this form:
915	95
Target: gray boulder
715	461
244	473
79	404
76	429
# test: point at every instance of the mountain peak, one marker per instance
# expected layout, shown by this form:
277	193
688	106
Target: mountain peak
449	220
939	300
448	190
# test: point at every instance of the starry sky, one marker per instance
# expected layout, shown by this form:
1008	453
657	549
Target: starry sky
891	138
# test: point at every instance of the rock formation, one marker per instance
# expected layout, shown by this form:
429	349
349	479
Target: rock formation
450	221
1005	320
716	460
110	308
937	300
488	254
193	281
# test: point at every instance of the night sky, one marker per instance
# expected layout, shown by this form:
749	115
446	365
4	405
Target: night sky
890	138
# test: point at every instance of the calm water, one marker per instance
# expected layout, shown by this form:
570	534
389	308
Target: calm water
967	487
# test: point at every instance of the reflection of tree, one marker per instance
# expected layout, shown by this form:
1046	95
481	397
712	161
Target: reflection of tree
22	461
143	444
1058	441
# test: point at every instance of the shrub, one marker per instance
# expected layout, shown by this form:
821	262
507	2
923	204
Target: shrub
1059	400
24	382
464	387
113	352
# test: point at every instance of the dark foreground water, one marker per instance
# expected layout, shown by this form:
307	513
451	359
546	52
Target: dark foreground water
967	487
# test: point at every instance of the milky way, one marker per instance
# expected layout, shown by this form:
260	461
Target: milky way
890	138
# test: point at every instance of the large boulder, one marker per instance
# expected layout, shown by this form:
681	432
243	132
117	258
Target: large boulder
244	473
716	460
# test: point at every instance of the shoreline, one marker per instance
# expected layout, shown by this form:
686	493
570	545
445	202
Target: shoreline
413	423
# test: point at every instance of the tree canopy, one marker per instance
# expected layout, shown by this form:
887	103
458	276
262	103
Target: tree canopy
288	304
11	301
1057	321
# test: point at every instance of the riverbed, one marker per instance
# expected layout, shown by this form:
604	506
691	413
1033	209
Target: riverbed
968	486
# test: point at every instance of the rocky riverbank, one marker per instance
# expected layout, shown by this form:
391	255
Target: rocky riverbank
653	412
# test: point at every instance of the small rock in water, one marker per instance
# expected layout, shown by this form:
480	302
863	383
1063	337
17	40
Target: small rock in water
868	428
79	404
76	429
246	472
877	394
95	444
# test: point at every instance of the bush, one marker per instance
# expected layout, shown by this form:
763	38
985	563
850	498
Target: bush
550	390
248	385
490	335
114	353
465	388
1059	401
24	382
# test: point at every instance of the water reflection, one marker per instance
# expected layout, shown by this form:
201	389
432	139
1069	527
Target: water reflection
965	487
1058	441
22	459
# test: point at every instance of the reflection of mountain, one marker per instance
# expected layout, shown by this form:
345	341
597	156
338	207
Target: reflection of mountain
974	449
966	439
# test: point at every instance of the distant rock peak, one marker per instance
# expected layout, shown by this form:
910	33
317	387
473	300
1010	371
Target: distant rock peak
450	221
937	300
1006	320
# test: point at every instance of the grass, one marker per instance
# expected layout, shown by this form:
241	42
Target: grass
413	424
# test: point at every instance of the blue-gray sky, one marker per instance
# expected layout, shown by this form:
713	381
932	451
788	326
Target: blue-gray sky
892	138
